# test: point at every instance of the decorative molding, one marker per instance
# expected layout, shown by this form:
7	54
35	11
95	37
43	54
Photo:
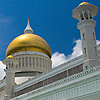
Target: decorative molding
30	52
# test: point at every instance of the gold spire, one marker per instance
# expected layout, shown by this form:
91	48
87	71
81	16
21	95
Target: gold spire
28	29
28	21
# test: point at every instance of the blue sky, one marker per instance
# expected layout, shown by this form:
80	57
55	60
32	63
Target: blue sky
50	19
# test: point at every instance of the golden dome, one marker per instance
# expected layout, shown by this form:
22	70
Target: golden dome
28	42
83	3
10	57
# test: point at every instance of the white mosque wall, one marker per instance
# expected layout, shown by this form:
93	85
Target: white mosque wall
81	86
2	89
61	68
2	94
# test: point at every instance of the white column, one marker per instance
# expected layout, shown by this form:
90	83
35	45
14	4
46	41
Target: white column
88	39
84	13
10	82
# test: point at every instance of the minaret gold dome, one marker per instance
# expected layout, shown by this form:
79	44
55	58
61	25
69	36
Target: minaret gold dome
28	42
83	3
10	57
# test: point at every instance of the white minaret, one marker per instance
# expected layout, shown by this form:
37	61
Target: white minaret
85	13
10	63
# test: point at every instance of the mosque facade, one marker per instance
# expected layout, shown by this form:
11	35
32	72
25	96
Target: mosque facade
29	72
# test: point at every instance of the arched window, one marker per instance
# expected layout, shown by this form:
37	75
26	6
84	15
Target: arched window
94	36
83	36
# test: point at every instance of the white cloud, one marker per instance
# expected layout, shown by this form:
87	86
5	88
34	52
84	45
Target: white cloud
2	73
59	58
77	50
97	41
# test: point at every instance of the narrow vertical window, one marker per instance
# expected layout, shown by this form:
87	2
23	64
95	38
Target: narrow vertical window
85	51
83	36
26	61
29	61
19	62
23	61
82	17
33	61
36	61
94	36
90	17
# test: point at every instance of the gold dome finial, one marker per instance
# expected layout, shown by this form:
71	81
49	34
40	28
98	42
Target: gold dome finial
28	29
